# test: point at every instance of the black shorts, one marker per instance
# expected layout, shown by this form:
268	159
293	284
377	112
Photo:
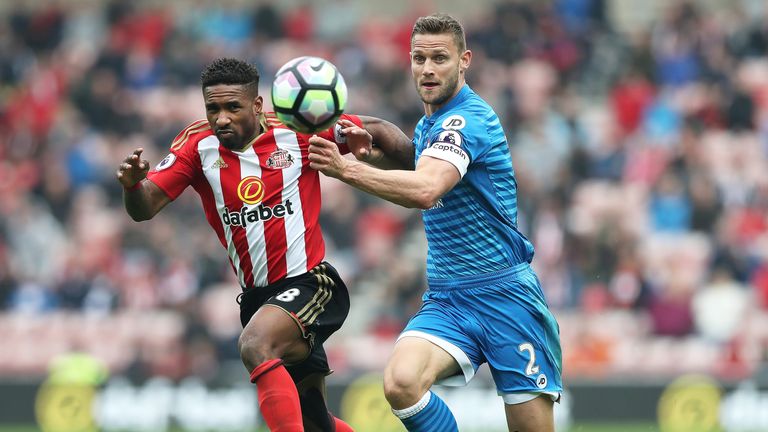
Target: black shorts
319	302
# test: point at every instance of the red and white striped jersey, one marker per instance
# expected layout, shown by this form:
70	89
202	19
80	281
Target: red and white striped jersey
263	202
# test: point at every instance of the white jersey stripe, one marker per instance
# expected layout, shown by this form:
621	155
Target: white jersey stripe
249	166
296	257
208	148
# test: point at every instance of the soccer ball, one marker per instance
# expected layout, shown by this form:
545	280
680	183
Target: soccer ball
308	94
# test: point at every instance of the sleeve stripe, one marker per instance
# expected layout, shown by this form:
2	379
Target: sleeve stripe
195	127
270	120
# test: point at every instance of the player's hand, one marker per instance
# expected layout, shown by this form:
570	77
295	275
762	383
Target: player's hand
359	141
133	169
324	156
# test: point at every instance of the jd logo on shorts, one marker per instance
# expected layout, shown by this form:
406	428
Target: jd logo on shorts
541	381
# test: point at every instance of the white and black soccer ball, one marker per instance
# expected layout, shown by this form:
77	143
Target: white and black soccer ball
308	94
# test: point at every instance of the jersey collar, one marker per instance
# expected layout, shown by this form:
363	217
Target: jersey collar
460	97
263	124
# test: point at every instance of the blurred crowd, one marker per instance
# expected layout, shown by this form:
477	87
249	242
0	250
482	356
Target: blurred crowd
640	155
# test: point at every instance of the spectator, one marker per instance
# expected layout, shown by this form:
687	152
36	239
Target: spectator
620	135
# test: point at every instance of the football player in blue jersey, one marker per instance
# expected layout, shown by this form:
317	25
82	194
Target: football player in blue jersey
484	303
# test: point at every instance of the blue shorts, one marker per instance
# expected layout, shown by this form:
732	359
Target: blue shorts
501	319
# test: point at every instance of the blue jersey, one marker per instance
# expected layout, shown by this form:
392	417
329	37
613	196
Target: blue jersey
484	303
472	229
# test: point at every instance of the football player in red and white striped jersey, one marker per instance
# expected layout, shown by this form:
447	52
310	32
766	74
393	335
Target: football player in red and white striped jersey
262	199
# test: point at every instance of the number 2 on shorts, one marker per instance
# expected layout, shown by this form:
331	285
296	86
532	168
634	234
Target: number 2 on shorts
532	368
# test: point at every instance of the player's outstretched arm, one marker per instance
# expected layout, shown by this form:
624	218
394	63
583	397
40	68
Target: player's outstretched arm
391	149
420	188
142	198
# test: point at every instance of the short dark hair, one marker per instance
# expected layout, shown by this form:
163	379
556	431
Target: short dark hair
230	71
439	24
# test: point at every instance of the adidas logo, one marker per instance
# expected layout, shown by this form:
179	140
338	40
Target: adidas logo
219	164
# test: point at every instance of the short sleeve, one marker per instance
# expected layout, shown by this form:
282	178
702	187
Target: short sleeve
455	140
173	174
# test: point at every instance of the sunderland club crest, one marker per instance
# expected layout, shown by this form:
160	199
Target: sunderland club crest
280	159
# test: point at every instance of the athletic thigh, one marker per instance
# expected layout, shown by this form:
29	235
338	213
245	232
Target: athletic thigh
536	415
417	361
446	329
271	333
